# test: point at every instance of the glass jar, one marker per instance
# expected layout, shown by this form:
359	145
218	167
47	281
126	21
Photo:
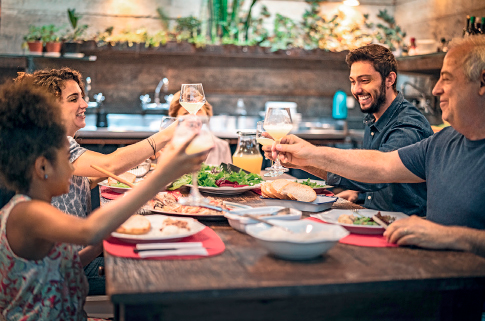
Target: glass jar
247	155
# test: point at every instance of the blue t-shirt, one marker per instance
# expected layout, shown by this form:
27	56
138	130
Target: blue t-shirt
454	169
402	124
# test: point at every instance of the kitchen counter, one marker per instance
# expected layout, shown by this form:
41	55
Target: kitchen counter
128	129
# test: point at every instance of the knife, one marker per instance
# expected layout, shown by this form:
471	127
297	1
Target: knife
233	168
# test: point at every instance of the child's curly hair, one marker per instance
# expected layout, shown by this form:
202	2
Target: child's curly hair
53	79
30	126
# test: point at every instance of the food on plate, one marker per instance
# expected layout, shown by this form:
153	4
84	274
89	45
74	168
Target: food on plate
216	176
136	225
359	220
127	176
288	190
308	182
172	226
168	203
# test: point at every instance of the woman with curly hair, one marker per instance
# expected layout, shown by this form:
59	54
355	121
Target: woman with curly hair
41	271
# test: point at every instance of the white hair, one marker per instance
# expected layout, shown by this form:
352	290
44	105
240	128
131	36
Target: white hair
474	60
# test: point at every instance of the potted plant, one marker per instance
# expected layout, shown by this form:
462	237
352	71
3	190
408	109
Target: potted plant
72	39
34	39
51	38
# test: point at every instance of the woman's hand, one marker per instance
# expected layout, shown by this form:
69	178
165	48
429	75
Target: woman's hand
349	195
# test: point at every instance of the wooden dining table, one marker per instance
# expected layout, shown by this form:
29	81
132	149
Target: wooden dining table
349	282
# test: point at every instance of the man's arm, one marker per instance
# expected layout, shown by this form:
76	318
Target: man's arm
367	166
423	233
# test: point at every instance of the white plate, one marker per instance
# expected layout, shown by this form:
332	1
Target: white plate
320	204
333	215
239	222
226	190
156	222
118	189
217	217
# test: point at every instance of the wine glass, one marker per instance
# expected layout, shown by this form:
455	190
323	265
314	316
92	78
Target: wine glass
265	141
277	123
192	97
202	142
167	121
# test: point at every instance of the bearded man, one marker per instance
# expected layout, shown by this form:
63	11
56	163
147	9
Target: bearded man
391	122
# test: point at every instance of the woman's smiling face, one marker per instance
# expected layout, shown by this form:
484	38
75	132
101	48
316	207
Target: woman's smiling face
73	107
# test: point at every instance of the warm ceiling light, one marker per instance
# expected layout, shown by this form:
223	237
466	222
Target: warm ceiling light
352	3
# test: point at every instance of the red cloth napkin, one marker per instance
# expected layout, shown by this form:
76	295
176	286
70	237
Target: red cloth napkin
361	239
319	191
210	240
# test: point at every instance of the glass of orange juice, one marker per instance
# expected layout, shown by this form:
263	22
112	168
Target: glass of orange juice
247	155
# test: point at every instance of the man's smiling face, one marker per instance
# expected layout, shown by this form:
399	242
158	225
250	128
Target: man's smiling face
367	86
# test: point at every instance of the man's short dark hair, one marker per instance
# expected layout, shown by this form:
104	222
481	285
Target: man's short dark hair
381	58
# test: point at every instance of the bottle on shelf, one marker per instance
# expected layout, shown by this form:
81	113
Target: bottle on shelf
413	49
443	47
473	30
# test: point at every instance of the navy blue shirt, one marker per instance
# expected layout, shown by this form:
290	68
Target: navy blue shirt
454	169
402	124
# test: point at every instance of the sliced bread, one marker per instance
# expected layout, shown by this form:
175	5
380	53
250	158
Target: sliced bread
277	186
299	192
136	224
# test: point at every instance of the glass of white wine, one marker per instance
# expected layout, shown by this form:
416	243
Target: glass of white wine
265	141
204	141
192	97
277	123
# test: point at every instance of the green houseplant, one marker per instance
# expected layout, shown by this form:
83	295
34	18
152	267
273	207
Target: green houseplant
33	39
51	38
72	39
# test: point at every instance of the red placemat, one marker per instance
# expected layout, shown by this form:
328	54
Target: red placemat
361	239
319	191
210	240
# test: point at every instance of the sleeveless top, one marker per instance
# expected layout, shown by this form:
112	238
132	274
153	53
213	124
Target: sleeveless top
53	288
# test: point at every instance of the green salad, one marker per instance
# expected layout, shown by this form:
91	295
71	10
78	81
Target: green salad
308	182
120	185
212	176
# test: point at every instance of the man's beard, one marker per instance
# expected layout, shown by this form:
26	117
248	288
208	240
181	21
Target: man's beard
381	99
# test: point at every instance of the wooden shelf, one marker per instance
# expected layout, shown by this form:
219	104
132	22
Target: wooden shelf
424	64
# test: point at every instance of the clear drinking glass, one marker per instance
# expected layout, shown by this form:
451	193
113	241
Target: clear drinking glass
277	123
167	121
203	141
192	97
265	141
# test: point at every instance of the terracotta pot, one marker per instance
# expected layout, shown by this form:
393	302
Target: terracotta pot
35	46
53	46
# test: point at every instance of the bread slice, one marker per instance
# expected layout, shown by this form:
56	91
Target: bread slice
277	186
265	190
299	192
127	176
136	224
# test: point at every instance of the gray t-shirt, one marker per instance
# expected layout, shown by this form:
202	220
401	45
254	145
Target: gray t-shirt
78	201
454	169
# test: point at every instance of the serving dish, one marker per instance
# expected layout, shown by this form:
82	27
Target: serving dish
118	189
226	190
240	223
321	238
320	204
155	234
333	215
217	217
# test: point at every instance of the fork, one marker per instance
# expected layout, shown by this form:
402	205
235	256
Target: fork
356	211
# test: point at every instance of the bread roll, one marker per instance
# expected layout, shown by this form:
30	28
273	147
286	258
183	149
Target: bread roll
136	224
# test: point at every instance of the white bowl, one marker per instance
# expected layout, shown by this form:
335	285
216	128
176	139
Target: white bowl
239	222
297	246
